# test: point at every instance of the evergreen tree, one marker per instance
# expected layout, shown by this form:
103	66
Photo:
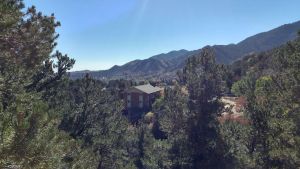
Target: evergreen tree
96	118
173	115
273	110
204	83
29	137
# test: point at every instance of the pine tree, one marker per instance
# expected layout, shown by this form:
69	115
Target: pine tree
204	83
273	110
96	118
173	115
29	137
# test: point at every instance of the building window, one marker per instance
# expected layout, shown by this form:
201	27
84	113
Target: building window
141	100
128	100
128	97
128	104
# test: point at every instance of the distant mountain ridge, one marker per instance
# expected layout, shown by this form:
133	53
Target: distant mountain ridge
167	64
257	43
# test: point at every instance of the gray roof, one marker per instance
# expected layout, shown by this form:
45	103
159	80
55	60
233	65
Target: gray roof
148	88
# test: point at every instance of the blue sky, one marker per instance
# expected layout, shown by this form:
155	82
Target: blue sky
103	33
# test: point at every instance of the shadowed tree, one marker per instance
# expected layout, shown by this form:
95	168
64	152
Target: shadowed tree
203	78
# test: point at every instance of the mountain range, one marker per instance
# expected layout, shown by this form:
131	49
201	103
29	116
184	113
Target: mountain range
167	64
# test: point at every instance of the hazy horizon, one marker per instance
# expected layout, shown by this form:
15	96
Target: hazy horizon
103	33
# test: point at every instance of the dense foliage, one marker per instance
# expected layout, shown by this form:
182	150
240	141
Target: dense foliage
273	106
29	136
50	121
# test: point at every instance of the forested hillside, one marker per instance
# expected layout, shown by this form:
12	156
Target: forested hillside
50	121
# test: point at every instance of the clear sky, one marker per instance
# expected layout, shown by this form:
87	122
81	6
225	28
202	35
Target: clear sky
103	33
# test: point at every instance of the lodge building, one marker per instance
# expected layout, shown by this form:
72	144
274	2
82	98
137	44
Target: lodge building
141	97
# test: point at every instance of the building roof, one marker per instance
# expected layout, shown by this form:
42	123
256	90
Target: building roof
148	88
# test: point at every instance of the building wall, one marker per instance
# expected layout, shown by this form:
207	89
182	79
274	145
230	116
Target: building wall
139	99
